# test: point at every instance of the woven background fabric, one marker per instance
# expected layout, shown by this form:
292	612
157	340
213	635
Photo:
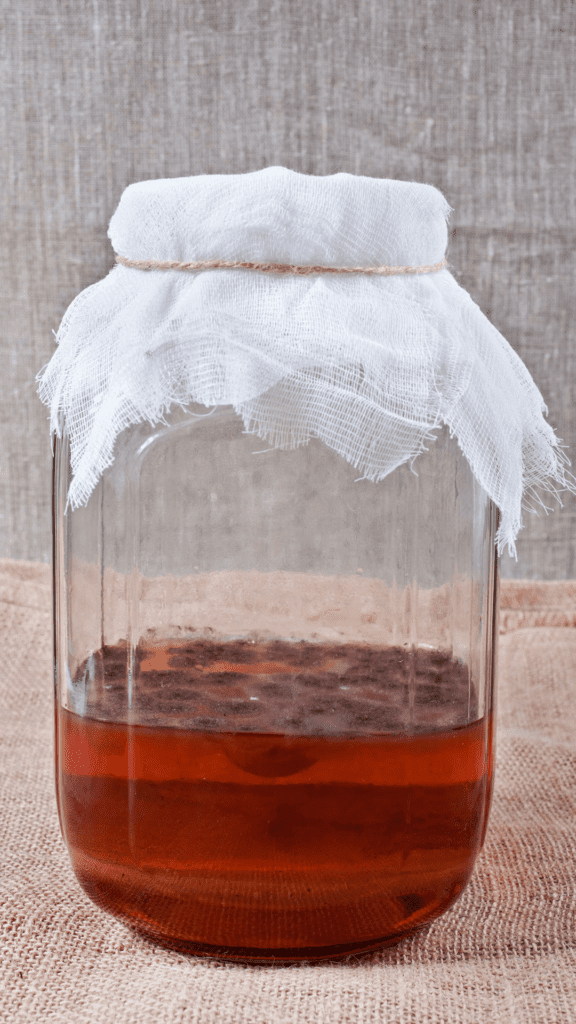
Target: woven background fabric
505	953
474	98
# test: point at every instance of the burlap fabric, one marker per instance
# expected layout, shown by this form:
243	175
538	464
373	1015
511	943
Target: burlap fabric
505	953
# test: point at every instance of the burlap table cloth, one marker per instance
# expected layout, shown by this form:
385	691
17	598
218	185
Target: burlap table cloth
505	952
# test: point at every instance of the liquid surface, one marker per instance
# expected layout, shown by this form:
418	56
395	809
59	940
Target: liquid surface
295	687
271	845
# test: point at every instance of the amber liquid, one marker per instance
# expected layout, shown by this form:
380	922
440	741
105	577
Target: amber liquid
264	846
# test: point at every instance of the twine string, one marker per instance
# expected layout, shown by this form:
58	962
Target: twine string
273	268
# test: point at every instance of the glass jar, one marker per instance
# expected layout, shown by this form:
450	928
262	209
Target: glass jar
274	689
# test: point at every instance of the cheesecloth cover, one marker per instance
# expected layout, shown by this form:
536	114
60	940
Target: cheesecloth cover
370	363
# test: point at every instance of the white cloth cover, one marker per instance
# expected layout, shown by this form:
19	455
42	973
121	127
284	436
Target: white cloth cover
371	365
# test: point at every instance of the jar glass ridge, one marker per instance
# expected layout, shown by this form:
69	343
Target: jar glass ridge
274	688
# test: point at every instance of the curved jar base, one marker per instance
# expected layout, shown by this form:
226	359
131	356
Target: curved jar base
257	919
276	957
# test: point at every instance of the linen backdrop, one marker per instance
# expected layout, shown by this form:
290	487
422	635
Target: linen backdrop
474	98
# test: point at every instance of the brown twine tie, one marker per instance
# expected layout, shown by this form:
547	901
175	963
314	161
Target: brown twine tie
274	268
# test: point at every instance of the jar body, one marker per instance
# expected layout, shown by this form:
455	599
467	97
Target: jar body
274	689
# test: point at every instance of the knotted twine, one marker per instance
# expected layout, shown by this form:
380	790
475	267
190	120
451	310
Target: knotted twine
272	268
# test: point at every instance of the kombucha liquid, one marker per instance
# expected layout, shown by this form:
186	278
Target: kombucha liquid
260	845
